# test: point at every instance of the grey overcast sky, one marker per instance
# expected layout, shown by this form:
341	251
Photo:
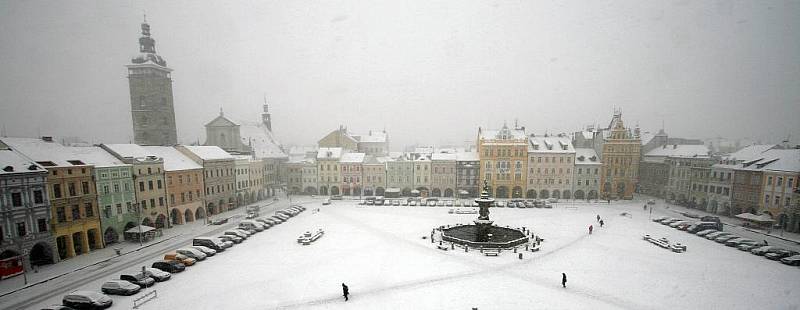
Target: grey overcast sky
430	72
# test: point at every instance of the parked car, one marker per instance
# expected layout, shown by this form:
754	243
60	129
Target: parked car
715	235
723	239
120	287
396	202
336	197
793	260
192	253
412	203
87	300
501	204
737	241
157	274
183	259
684	226
669	221
139	279
700	226
251	225
760	251
212	243
777	254
326	202
676	223
237	233
231	238
660	218
705	232
552	200
749	246
170	266
651	201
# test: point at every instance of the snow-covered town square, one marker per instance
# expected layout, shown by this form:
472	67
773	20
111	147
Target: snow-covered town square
412	154
381	255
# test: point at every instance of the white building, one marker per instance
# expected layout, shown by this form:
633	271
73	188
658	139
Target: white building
551	161
586	174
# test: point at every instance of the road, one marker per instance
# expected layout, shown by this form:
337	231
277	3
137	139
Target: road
111	269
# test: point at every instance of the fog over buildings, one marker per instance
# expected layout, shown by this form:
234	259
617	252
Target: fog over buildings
427	72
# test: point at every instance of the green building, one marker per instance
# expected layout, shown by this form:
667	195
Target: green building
115	192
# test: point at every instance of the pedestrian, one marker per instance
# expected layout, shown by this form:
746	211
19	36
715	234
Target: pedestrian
765	242
590	229
645	207
598	217
345	292
601	223
564	280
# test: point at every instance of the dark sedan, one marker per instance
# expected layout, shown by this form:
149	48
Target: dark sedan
169	266
777	254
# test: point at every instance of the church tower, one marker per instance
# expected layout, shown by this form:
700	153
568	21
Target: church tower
151	95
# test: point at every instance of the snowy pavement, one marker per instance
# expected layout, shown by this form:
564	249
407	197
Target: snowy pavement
378	251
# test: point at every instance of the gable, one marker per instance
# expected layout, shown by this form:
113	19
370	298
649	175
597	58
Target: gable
221	121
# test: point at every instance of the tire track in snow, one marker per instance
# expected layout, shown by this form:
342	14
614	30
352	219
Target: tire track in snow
483	270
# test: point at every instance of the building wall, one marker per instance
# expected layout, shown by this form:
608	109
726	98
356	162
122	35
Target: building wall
309	178
747	187
75	216
468	177
443	178
271	180
219	180
620	169
352	177
295	177
185	189
328	176
146	172
374	179
504	165
701	176
339	138
720	184
586	180
33	213
115	200
550	175
400	174
653	178
422	176
777	193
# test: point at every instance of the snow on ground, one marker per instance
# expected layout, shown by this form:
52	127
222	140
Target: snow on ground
378	251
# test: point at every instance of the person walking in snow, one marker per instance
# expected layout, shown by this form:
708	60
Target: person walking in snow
590	229
598	217
601	223
345	292
564	280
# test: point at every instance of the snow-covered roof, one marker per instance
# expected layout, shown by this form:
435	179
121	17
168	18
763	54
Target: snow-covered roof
541	144
174	160
128	150
12	162
263	142
750	152
786	160
352	158
443	157
586	156
208	152
329	153
302	149
467	156
41	151
679	150
373	136
93	155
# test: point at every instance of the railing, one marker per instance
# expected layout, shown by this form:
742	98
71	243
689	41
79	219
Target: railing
139	301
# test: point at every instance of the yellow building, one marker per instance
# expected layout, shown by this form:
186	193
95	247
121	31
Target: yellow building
503	159
620	155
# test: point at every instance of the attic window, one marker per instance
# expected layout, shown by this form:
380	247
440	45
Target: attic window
46	163
581	158
76	162
8	169
33	167
593	158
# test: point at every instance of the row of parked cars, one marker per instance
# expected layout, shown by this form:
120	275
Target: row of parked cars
174	262
432	202
710	227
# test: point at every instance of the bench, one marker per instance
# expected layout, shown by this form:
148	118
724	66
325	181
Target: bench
491	252
442	247
535	249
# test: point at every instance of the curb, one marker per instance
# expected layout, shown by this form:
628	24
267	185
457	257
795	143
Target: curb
84	267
